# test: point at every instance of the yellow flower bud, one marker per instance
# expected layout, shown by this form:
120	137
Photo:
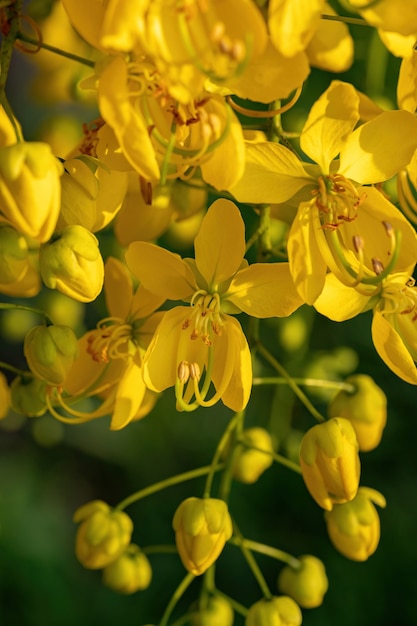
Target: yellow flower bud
354	527
330	462
72	264
30	188
91	193
129	572
306	584
103	534
18	276
50	352
28	396
279	611
365	408
217	612
202	527
250	463
4	396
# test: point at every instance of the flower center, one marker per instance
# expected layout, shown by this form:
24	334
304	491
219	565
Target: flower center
400	297
205	317
337	200
110	340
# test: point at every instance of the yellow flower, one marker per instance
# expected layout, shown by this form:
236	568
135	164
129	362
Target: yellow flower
307	584
253	455
110	361
91	194
394	304
216	612
18	275
330	462
129	572
365	408
278	611
71	262
202	527
50	352
201	340
103	534
354	527
30	188
335	213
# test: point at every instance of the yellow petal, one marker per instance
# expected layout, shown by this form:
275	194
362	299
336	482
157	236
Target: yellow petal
398	16
378	149
160	271
126	121
292	23
392	350
330	121
87	18
407	84
265	290
308	268
331	47
220	243
117	288
271	76
130	393
339	302
272	174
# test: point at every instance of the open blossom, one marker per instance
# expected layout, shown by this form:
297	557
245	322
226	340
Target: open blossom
201	343
333	211
110	361
394	322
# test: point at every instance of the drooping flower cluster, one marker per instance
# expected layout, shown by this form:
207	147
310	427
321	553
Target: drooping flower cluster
193	219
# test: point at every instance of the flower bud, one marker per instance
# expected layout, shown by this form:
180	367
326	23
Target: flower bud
202	527
129	572
354	527
330	463
217	612
50	352
365	408
28	396
18	276
250	463
306	584
279	611
91	193
30	188
72	264
103	534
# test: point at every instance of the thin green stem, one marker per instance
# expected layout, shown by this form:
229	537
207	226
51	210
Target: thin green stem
296	389
63	53
239	541
30	309
12	13
262	548
346	20
306	382
219	451
167	482
15	370
176	596
160	549
237	607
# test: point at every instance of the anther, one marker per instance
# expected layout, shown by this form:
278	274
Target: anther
358	243
377	266
184	371
195	372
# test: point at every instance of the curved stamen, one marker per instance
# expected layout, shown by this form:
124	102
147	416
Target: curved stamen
265	114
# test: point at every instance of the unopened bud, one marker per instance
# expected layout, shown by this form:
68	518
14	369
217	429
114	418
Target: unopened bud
130	572
50	352
306	584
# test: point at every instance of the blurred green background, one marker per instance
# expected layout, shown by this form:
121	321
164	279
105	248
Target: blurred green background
47	469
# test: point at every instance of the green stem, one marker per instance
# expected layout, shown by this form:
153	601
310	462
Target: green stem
30	309
238	540
15	370
296	389
346	20
237	607
160	549
163	484
219	451
12	13
176	596
63	53
262	548
306	382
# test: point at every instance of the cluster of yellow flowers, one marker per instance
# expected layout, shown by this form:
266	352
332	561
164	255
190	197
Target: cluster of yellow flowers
175	83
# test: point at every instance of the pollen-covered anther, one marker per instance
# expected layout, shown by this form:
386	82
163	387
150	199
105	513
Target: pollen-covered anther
388	228
195	372
358	243
378	266
183	371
